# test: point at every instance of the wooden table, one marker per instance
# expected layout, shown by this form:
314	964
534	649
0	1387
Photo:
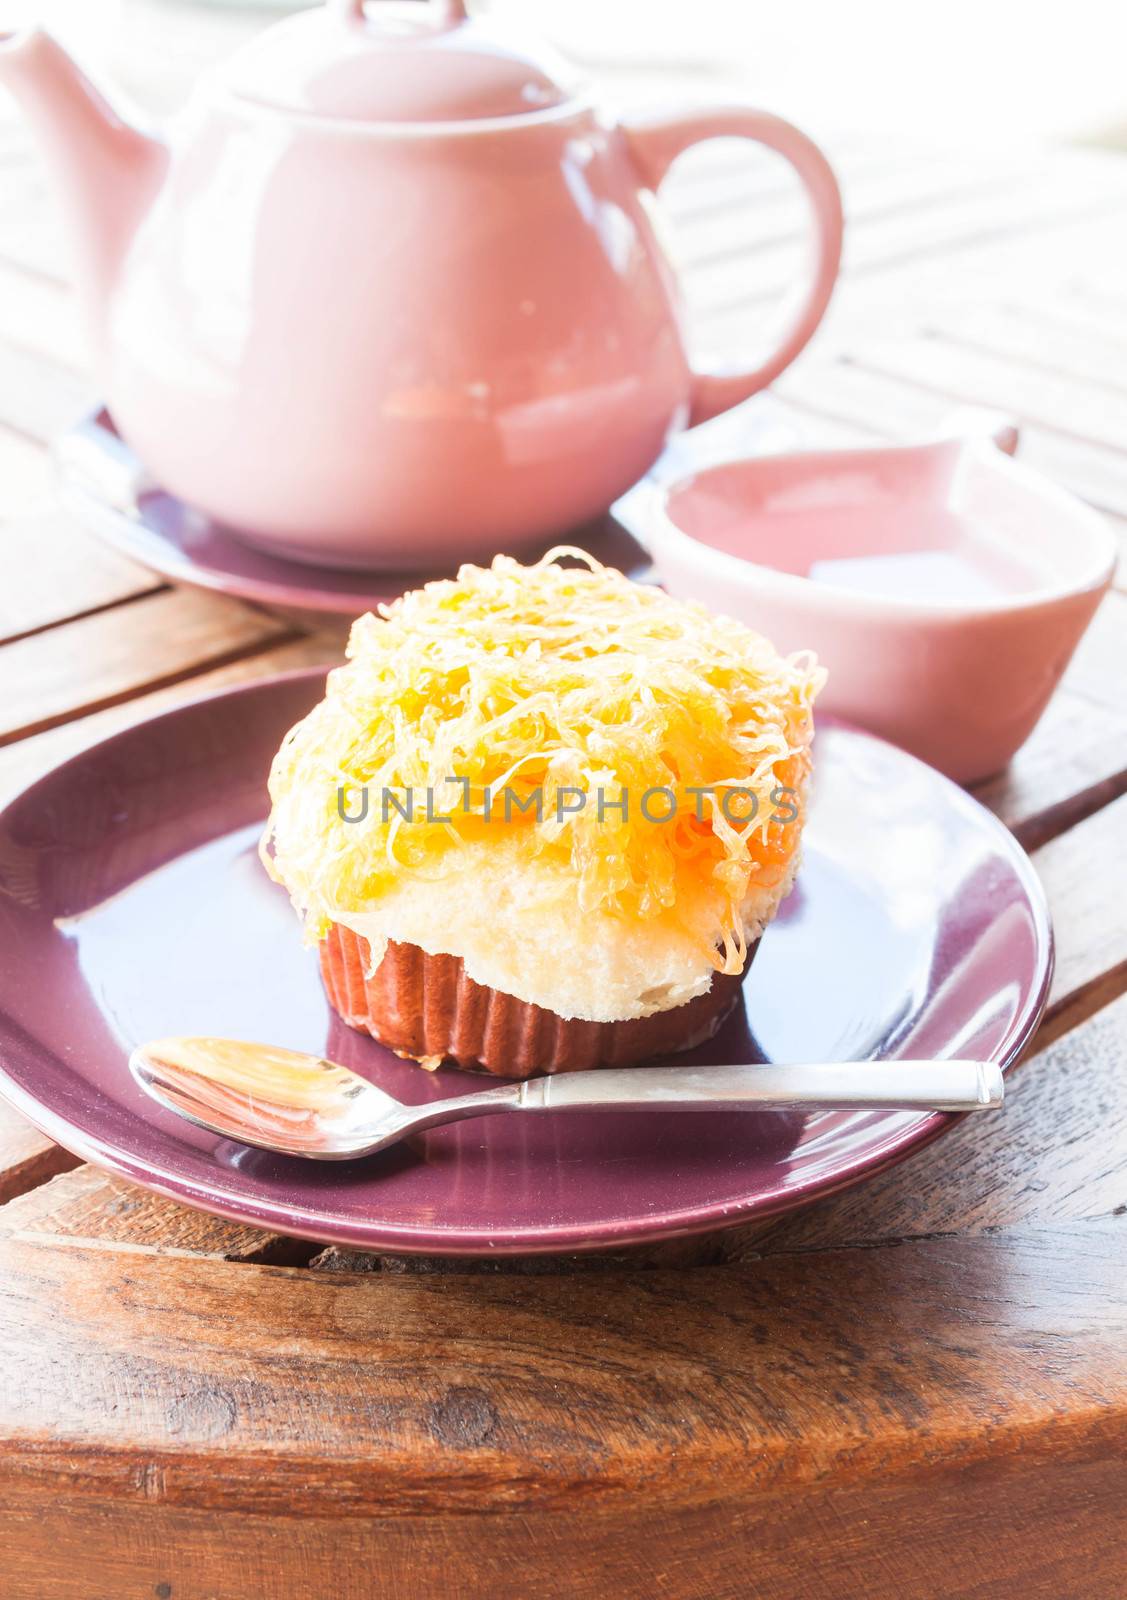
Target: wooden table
916	1388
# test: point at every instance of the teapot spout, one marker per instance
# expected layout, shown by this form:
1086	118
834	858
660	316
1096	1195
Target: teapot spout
107	170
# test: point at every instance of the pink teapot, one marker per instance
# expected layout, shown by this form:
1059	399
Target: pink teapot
391	291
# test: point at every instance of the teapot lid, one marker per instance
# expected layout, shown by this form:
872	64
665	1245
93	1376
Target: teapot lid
396	61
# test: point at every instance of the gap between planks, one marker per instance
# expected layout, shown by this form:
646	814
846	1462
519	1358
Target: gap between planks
52	571
118	603
27	759
165	638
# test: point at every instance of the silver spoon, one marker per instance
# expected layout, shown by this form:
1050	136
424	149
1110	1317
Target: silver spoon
302	1105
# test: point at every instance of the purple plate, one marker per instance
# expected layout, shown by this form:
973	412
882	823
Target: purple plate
132	904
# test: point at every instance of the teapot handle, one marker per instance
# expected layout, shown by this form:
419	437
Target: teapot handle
657	142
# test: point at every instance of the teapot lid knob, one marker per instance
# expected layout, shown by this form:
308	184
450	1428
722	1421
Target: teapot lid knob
448	13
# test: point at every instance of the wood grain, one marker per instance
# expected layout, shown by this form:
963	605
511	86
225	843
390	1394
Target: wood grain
738	212
1085	876
89	1208
1076	759
39	397
1074	763
25	472
118	653
1035	337
40	316
27	1157
1041	1162
29	758
462	1394
897	407
1067	404
31	232
1059	194
51	571
1045	1529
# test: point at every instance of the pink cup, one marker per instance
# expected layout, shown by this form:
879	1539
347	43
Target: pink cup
944	586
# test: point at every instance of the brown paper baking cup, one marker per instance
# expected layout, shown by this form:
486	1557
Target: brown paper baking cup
426	1007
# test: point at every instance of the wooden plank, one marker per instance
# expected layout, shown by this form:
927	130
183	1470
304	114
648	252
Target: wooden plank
1074	763
1087	303
697	1251
41	316
1076	760
1079	258
25	473
27	1158
894	405
992	1172
1032	337
1098	670
52	677
32	236
727	173
1071	406
237	1387
50	570
1060	196
89	1208
38	397
1085	876
738	223
23	762
970	1537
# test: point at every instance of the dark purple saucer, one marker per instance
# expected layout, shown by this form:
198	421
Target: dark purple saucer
132	905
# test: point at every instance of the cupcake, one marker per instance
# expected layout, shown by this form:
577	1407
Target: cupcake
542	817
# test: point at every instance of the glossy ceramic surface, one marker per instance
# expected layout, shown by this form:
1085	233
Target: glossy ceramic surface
102	483
944	586
345	332
133	905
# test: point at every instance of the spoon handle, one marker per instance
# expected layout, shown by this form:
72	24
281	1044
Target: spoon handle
890	1085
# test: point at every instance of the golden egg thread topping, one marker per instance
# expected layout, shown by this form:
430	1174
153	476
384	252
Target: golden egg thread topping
655	751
